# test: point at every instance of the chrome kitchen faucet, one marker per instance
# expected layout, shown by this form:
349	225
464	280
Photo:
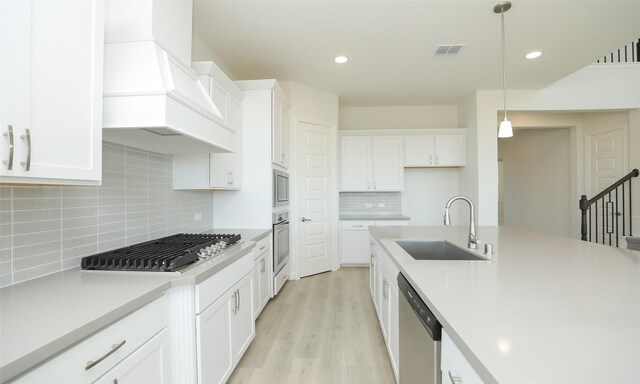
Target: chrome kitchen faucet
473	240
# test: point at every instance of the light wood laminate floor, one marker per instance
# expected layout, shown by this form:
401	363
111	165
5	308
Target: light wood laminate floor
319	329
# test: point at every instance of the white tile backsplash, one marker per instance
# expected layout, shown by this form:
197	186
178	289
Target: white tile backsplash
368	202
47	229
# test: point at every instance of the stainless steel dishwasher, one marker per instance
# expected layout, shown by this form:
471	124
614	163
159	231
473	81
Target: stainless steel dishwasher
420	335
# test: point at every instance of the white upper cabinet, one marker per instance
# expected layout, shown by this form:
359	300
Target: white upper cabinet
372	163
51	71
214	170
272	100
280	132
435	150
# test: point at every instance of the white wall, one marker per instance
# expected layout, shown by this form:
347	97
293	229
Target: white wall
200	51
594	88
537	180
426	192
399	117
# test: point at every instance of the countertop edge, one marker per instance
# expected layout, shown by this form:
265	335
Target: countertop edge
23	364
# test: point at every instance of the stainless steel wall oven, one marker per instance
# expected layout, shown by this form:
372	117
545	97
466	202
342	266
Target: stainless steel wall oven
280	249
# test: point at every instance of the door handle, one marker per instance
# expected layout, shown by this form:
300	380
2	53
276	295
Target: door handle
9	134
304	219
27	138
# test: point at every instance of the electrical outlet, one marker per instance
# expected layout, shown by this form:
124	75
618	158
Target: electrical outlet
198	217
368	205
381	205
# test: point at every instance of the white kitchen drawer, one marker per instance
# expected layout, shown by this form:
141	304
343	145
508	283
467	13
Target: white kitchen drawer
263	245
211	289
352	225
454	365
128	333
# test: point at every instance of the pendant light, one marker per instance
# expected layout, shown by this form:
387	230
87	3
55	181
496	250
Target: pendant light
505	130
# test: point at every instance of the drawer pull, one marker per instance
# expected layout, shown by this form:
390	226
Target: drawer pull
358	226
114	348
454	379
263	247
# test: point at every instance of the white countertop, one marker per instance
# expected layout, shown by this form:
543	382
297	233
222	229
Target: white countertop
545	309
42	317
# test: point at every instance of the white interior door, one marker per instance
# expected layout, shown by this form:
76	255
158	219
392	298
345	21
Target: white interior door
607	165
606	159
315	175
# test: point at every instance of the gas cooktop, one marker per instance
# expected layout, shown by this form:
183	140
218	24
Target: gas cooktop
167	254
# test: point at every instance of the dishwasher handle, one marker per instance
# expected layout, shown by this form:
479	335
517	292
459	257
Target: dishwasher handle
428	319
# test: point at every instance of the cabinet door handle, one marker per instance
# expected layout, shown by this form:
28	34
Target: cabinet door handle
454	379
27	137
430	159
436	159
9	134
235	302
238	300
114	348
375	186
368	185
263	263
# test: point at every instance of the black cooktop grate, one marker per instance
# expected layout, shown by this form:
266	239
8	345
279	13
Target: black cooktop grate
166	254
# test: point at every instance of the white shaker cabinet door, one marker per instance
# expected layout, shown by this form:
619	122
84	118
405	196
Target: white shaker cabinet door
355	161
148	364
451	150
419	151
242	320
215	356
388	160
354	247
52	72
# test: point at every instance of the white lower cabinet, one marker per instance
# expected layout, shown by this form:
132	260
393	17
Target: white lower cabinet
134	349
225	324
385	296
454	366
354	239
261	280
146	365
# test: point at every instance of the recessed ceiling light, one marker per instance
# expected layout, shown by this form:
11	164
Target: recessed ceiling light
341	59
533	55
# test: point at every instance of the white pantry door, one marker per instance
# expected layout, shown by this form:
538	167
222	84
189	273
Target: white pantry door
315	204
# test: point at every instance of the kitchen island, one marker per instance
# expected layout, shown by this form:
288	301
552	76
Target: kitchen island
544	309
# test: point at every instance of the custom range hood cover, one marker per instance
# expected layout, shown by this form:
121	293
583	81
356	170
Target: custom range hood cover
152	98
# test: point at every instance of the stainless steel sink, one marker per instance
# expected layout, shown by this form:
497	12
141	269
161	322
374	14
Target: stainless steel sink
436	250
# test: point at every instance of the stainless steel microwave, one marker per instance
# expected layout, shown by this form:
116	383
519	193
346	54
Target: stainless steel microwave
280	189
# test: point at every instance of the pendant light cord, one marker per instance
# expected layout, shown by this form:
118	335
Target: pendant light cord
504	69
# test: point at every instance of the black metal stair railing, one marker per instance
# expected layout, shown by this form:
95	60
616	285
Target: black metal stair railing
630	53
612	213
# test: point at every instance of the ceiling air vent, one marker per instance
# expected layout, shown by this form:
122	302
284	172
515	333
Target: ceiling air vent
448	49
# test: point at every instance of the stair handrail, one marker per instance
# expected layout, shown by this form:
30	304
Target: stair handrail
586	203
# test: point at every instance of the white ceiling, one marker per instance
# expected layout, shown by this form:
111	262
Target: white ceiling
391	44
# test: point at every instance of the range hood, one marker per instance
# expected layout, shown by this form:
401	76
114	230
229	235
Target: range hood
152	99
